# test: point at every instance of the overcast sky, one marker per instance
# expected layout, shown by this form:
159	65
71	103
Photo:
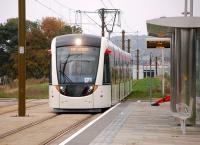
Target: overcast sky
134	12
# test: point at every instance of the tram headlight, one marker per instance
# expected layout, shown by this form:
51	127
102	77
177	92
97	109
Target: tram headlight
63	90
88	90
61	87
78	41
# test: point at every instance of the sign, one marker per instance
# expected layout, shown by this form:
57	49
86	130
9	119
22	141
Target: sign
21	50
158	42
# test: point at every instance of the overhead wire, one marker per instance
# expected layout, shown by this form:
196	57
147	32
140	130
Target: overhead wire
111	4
64	6
60	15
73	10
92	19
84	12
125	23
103	3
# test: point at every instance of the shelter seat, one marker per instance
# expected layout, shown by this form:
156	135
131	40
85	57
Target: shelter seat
183	113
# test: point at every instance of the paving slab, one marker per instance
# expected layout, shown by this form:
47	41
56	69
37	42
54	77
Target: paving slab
137	123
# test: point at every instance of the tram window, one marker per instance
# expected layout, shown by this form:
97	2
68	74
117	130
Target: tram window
106	70
113	79
118	71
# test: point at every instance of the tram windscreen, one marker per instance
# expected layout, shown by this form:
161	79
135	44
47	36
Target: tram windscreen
77	64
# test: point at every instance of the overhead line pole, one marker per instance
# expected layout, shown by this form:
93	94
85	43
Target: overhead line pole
102	13
138	64
103	22
156	65
129	47
123	40
21	58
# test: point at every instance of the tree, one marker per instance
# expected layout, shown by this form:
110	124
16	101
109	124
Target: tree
9	46
38	41
37	59
51	26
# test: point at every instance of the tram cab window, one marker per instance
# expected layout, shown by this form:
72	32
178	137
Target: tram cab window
106	70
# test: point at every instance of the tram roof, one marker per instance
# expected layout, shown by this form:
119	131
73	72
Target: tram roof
86	39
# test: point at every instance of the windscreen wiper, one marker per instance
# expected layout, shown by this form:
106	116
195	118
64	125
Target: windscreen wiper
66	77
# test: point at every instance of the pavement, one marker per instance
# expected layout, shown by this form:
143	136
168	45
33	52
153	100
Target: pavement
129	123
137	123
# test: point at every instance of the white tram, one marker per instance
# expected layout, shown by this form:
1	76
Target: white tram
88	73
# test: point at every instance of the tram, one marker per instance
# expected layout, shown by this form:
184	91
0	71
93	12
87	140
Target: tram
88	73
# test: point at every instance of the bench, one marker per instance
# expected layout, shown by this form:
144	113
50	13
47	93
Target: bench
183	113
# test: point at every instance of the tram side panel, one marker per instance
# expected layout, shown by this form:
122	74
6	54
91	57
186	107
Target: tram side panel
126	88
54	95
130	75
102	95
113	75
117	73
115	93
126	77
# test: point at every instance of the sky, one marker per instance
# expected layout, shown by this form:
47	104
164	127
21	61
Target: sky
134	13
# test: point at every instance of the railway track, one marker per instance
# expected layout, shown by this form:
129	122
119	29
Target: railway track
13	107
13	102
25	127
66	131
46	130
7	102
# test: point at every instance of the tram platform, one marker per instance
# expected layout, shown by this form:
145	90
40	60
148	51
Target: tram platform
135	123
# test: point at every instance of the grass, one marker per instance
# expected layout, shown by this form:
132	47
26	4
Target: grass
38	89
35	89
141	89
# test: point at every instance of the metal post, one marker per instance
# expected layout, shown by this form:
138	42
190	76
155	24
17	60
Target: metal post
185	10
109	33
138	64
103	22
156	65
150	63
129	47
137	39
163	73
21	58
146	70
150	81
123	40
191	8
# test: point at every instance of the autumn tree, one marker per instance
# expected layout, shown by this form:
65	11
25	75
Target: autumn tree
52	27
36	56
38	41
